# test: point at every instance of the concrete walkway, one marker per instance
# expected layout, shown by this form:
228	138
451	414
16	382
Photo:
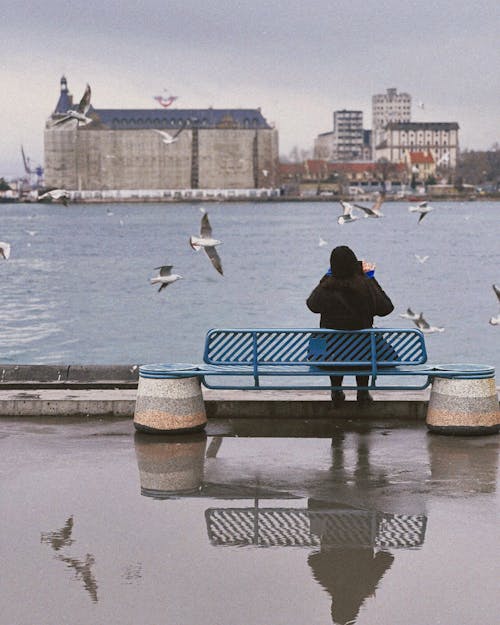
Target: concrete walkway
219	404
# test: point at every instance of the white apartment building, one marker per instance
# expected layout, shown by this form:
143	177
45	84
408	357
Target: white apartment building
346	141
386	108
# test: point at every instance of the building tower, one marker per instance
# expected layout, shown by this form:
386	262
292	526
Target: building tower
389	107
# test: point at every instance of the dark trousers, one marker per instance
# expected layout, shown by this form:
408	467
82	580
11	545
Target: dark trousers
361	380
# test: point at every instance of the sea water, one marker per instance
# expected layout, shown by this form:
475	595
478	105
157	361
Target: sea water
76	288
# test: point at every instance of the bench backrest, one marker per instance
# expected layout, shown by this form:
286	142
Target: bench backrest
279	346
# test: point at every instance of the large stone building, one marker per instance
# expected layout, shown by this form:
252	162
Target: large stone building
440	139
125	149
389	107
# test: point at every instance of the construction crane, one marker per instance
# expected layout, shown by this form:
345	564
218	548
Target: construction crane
30	173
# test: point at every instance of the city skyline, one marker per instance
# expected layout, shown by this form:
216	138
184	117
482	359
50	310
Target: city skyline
297	63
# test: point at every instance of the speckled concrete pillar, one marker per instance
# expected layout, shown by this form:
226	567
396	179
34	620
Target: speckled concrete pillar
170	466
169	405
463	406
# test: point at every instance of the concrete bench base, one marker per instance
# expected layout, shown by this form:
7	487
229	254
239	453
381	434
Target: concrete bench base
463	407
169	405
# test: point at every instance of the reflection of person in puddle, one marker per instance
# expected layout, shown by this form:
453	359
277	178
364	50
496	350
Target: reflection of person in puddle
350	575
348	565
364	472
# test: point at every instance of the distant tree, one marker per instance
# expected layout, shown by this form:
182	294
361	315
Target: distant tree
3	185
431	179
385	170
477	167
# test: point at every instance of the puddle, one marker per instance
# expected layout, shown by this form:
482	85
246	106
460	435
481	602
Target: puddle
106	525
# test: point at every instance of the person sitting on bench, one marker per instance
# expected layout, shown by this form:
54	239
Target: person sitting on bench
347	298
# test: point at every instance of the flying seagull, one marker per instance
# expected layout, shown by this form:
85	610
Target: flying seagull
4	250
421	259
374	211
409	314
168	138
495	321
165	277
80	114
57	195
207	242
347	216
322	242
422	324
423	208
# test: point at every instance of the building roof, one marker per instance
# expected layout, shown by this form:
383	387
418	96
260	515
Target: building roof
174	118
136	119
421	158
65	101
422	126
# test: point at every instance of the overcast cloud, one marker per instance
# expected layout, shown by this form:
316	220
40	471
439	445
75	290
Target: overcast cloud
298	61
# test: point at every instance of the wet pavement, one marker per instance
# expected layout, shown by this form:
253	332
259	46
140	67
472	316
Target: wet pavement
250	523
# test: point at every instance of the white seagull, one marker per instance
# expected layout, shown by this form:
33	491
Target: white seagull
409	314
168	138
207	242
57	195
426	328
165	277
421	259
347	216
423	208
322	242
80	114
4	250
374	211
495	321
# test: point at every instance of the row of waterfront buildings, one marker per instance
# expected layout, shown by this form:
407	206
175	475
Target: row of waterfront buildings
394	135
217	151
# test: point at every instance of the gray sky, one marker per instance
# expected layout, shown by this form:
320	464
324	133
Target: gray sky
298	61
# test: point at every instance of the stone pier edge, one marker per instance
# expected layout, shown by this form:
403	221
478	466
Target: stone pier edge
110	391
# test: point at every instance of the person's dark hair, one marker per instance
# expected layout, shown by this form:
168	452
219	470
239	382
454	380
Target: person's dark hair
343	262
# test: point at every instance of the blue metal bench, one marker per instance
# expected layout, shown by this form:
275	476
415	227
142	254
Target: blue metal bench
257	355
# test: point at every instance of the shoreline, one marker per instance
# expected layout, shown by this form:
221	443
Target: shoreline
246	200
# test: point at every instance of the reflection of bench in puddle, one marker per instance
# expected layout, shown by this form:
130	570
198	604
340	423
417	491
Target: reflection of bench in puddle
299	527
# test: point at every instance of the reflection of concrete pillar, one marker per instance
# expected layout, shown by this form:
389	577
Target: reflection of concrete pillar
463	465
172	466
463	406
168	404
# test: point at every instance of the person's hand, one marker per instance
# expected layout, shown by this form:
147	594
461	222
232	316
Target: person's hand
368	268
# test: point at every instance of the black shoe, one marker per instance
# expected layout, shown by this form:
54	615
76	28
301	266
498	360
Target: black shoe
338	398
364	398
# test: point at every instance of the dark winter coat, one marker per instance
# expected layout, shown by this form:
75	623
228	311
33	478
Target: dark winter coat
349	304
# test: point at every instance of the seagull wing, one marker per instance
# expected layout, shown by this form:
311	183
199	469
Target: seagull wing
165	270
422	215
84	104
206	228
214	258
63	120
378	203
367	210
179	131
421	322
423	205
496	288
164	134
4	249
348	208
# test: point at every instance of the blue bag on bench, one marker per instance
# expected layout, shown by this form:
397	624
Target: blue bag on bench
348	348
